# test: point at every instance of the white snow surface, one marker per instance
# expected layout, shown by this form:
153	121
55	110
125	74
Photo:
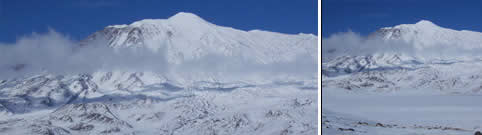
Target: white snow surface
401	113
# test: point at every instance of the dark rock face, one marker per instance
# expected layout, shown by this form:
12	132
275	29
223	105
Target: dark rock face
97	117
113	130
82	127
346	129
391	33
478	133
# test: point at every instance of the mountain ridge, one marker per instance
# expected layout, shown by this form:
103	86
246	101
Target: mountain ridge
426	34
187	36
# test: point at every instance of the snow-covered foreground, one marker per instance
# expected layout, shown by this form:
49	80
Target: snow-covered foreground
258	109
399	113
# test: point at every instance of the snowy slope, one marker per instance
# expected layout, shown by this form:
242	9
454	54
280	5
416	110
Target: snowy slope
366	115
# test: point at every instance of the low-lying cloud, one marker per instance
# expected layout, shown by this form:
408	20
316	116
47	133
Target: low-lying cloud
350	43
354	44
54	53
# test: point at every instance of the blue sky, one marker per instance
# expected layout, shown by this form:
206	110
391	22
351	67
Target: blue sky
366	16
79	18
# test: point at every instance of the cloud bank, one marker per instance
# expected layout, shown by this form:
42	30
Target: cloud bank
353	44
54	53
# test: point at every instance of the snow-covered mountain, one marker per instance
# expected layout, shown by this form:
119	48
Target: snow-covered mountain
186	36
149	102
421	70
425	34
389	71
399	70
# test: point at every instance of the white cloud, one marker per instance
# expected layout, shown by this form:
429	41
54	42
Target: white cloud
56	54
353	44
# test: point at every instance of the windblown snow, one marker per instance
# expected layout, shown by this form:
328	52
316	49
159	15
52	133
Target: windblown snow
181	75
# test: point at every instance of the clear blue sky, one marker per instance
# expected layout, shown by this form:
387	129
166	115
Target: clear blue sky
366	16
79	18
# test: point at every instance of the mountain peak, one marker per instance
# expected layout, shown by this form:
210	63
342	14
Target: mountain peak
185	16
422	24
425	23
179	18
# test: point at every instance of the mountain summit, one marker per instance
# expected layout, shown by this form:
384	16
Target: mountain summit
426	23
177	18
185	16
425	34
188	36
